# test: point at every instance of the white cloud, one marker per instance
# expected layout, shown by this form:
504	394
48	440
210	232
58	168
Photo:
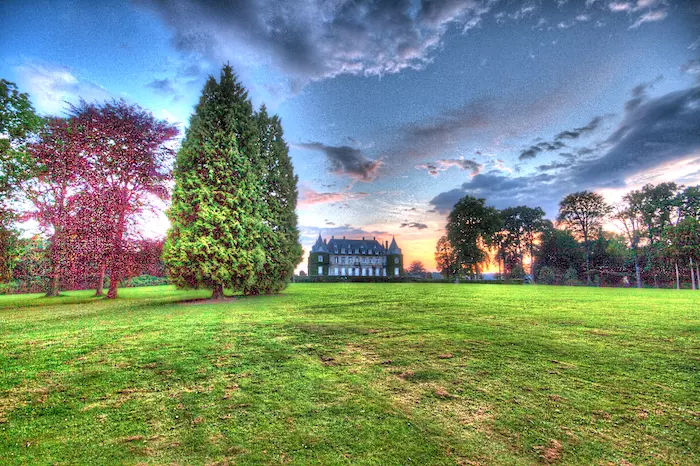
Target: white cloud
649	17
51	86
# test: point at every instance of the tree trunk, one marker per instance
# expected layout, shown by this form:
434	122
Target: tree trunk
217	291
697	274
588	254
117	259
532	264
678	279
99	291
692	275
54	277
637	271
54	281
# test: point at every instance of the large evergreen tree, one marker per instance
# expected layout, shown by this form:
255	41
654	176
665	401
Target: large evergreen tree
278	203
217	226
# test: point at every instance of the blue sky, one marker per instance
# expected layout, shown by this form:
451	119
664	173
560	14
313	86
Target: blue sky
394	110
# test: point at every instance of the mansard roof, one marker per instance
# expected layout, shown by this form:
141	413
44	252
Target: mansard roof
360	244
350	245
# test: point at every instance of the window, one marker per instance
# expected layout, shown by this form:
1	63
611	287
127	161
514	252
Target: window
343	273
320	258
342	251
320	270
396	260
396	271
336	260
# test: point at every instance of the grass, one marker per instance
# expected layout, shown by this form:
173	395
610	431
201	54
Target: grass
353	374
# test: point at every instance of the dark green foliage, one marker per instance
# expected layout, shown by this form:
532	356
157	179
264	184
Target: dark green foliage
583	213
470	228
546	276
278	203
216	221
233	216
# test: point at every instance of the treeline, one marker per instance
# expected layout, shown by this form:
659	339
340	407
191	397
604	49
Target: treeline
88	180
650	238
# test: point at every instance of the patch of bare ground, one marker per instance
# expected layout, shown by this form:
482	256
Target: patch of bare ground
551	453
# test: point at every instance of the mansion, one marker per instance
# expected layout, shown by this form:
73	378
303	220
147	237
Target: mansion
355	258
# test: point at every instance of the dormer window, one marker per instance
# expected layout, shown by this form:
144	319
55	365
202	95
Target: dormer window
320	257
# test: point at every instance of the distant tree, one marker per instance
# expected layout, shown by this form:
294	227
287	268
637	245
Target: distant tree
522	226
129	155
658	203
470	228
583	213
446	258
416	268
559	250
629	213
688	202
217	227
682	244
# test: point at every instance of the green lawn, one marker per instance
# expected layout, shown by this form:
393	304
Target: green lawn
353	373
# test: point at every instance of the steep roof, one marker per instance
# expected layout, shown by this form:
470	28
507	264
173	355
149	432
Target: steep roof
359	244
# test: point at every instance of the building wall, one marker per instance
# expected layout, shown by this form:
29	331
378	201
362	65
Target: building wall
314	263
355	265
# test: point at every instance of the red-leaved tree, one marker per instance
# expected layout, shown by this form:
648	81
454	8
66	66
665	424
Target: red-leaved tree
128	153
56	165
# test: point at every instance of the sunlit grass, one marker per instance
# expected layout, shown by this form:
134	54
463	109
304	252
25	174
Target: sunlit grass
352	373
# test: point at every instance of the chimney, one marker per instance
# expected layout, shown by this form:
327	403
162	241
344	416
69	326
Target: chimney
363	238
374	238
343	237
386	244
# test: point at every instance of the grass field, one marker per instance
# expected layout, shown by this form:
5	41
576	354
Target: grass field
353	374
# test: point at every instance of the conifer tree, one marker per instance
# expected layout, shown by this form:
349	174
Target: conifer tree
217	228
279	200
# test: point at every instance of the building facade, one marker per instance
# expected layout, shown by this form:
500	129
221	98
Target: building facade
355	258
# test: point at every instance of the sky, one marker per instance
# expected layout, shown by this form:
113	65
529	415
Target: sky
395	110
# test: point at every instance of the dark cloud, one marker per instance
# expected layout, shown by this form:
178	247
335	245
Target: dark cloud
655	132
317	39
419	226
345	160
576	132
532	151
504	191
163	86
434	168
660	130
639	94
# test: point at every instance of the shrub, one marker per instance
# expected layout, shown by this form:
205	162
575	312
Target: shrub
547	276
571	277
146	280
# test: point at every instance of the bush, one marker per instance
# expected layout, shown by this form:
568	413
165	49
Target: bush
547	276
571	277
145	280
517	272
